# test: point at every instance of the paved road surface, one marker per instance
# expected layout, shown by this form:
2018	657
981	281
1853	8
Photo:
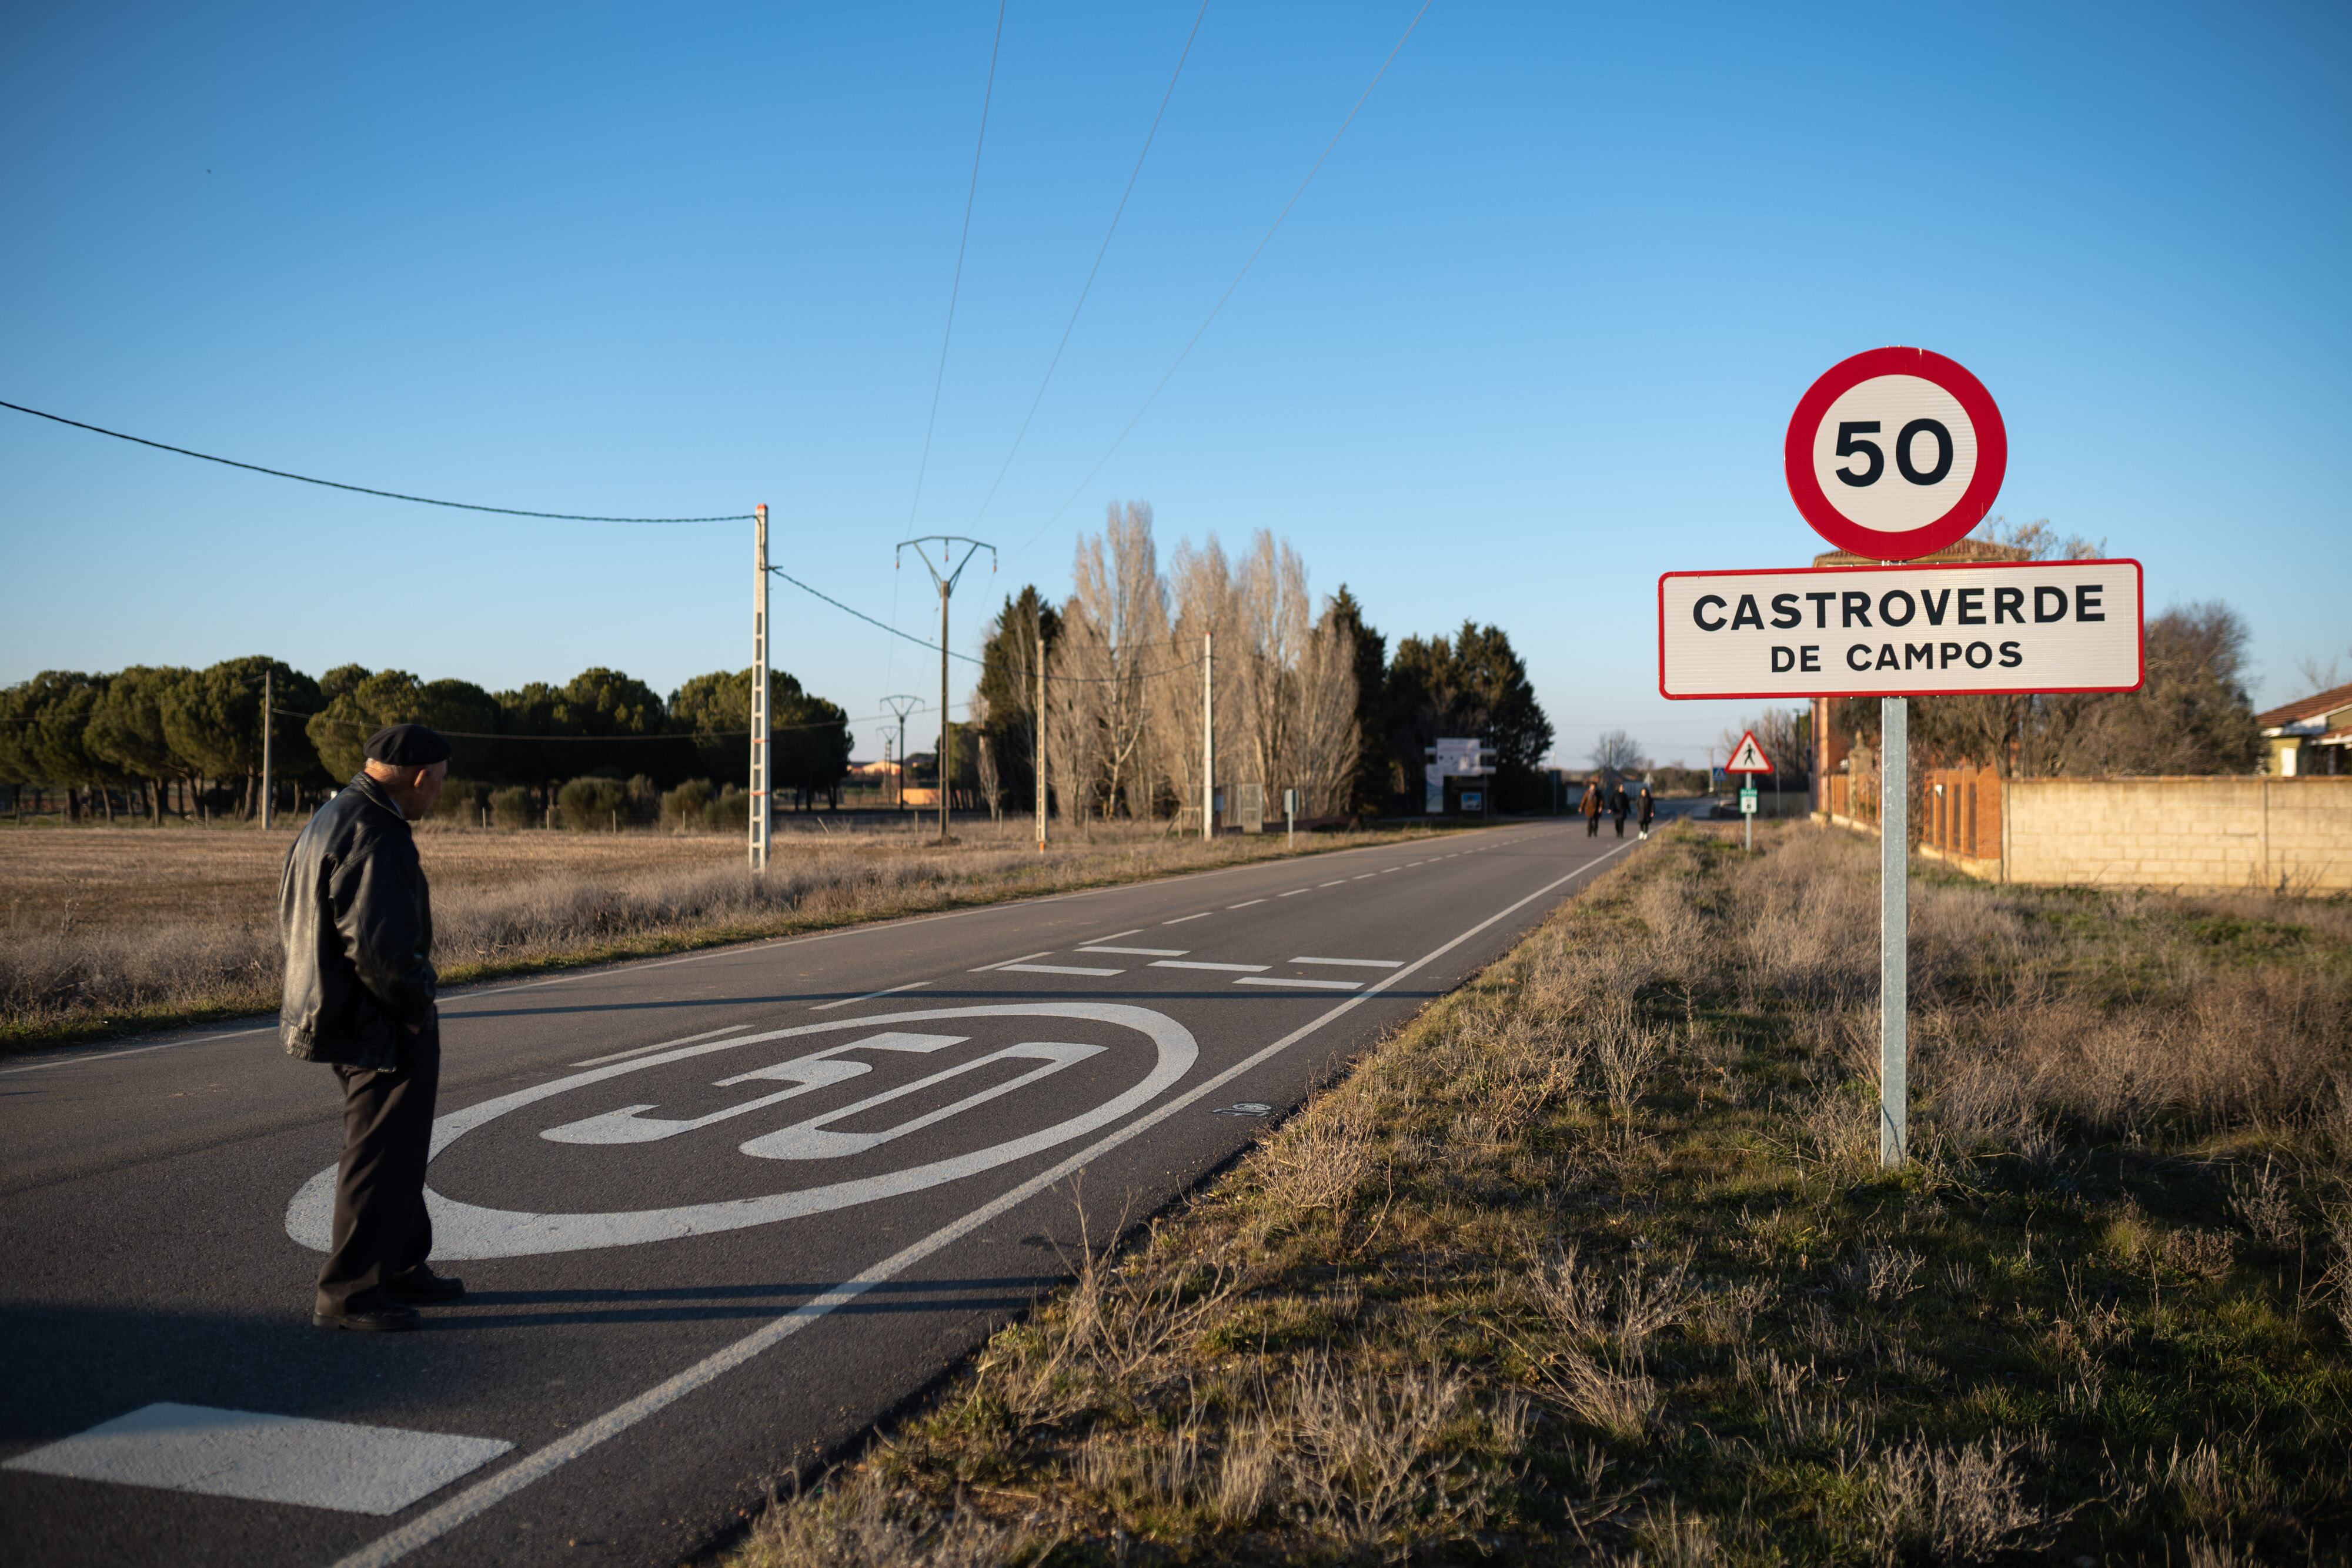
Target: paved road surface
716	1213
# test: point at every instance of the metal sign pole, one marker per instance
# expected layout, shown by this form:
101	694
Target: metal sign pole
269	785
1039	648
1894	929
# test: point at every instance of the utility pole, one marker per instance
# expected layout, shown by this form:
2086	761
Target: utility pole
266	688
1208	735
762	780
945	578
1040	646
914	703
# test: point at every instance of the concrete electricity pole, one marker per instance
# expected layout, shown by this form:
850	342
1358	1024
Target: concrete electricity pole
266	728
1208	735
945	576
760	755
1039	646
913	705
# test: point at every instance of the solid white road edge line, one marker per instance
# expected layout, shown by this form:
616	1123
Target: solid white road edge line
487	1494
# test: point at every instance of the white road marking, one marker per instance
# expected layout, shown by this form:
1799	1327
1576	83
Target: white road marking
806	1074
1137	952
1181	918
1299	985
1244	903
682	1039
1116	934
1391	870
1056	969
468	1230
1007	963
1333	883
885	992
1355	963
487	1494
1181	964
1294	892
266	1459
1363	876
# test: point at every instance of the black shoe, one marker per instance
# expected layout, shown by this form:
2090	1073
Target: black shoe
422	1285
393	1319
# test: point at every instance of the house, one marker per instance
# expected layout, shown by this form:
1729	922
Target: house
2311	736
1832	748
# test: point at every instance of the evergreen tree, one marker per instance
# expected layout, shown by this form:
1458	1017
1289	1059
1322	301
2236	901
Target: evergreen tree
1375	785
1006	697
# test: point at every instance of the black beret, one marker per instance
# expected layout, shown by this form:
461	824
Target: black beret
408	746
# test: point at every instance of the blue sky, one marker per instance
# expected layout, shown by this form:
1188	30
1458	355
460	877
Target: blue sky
1530	338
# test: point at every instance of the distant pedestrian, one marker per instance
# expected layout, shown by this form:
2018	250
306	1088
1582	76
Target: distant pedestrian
1619	806
357	922
1649	808
1595	801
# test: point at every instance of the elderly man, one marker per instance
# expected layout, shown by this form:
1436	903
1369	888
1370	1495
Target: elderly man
357	922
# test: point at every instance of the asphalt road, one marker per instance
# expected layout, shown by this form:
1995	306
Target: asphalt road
717	1214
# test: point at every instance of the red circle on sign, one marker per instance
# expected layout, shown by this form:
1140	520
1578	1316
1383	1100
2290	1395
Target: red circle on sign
1908	544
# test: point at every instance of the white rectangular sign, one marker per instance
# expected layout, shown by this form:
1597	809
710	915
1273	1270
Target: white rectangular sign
1901	630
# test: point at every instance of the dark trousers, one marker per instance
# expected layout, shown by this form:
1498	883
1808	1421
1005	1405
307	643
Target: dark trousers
1592	827
380	1227
1621	824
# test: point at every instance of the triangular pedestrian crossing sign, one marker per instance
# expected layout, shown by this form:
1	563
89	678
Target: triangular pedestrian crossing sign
1748	757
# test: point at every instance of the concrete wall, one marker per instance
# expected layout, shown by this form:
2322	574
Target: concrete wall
2291	834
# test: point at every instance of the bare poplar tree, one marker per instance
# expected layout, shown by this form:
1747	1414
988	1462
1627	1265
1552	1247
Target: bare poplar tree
1116	624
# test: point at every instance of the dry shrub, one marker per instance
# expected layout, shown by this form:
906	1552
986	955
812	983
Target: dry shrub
1319	1159
1109	1333
1960	1505
853	1524
1593	1360
1365	1457
1885	1273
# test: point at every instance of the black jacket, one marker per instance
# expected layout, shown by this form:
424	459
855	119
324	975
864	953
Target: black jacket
357	922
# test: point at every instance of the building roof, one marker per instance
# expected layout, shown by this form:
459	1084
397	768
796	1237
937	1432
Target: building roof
2319	704
1961	550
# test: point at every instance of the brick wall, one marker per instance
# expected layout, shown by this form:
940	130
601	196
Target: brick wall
2280	834
2232	832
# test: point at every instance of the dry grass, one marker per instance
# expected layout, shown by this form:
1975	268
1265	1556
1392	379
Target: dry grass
1593	1263
104	929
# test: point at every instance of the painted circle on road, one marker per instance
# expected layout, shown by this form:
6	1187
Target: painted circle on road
1895	453
464	1230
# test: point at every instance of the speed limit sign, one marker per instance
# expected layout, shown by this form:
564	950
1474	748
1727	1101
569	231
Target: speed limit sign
1895	453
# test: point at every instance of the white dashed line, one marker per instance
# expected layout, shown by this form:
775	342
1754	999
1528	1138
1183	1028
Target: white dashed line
1354	963
1181	918
1364	876
1116	934
1244	903
1137	952
1300	985
640	1050
1295	892
1334	882
1238	969
827	1006
1055	969
1008	963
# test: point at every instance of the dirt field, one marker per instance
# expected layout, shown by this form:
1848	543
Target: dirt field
106	930
125	879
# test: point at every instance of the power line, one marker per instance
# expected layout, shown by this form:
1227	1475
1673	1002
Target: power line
846	609
955	288
1236	283
361	489
1101	252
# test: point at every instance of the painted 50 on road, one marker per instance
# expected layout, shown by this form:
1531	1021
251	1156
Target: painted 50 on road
1902	631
